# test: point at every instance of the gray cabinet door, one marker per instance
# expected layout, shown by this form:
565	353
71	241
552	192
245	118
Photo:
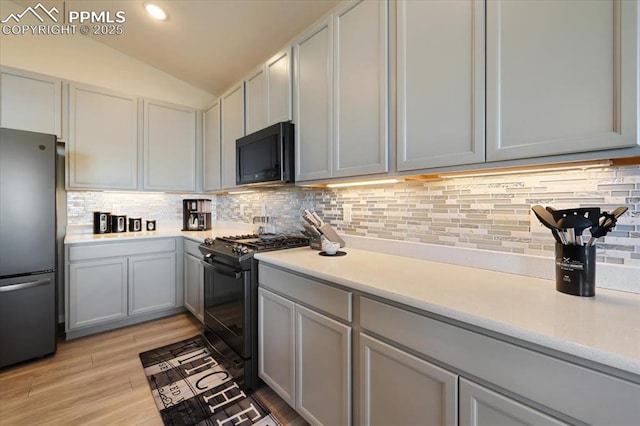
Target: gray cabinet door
561	77
232	128
313	80
30	101
211	155
323	369
278	76
101	153
397	388
255	87
276	350
152	283
360	110
97	292
193	286
440	95
169	147
480	406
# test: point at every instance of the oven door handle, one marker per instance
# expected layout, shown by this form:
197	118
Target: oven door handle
223	270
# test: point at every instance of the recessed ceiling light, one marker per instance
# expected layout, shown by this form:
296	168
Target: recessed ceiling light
155	11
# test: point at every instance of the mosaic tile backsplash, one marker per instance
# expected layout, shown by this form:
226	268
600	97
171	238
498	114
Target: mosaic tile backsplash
487	213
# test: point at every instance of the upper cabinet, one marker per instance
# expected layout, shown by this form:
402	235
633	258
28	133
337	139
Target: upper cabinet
561	77
102	150
211	148
341	93
30	101
232	128
440	83
268	93
170	143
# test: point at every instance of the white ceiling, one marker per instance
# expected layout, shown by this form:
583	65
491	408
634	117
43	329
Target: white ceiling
208	43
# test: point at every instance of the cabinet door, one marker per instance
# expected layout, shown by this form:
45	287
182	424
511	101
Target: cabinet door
152	283
194	286
211	156
360	88
102	153
278	70
440	51
323	369
30	101
481	406
256	101
276	351
97	292
561	77
232	124
313	103
398	388
169	147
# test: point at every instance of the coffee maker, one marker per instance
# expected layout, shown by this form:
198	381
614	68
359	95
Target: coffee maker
196	214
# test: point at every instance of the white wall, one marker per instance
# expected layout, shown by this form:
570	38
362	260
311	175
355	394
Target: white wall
82	59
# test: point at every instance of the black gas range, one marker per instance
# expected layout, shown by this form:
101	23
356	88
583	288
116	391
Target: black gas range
231	297
239	249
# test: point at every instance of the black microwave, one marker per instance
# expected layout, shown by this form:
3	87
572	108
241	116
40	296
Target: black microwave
266	156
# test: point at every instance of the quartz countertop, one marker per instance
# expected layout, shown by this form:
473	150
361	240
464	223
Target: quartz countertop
217	230
603	329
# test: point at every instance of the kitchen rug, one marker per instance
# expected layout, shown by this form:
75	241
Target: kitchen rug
193	385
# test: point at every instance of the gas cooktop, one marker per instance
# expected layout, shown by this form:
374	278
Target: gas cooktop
242	246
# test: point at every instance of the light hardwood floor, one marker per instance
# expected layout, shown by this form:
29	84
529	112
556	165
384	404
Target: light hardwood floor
99	380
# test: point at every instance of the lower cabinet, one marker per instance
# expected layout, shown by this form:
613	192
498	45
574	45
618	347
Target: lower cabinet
193	280
399	388
480	406
305	357
111	285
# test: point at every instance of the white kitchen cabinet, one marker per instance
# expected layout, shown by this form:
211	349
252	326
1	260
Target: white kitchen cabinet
480	406
30	101
268	93
102	146
211	148
97	292
323	368
341	93
278	85
276	344
440	83
313	79
399	388
255	88
561	77
152	283
193	280
304	345
232	128
114	284
169	141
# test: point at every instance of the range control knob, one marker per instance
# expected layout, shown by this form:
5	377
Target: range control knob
208	241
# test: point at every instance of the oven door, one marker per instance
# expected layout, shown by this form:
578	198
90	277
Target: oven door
226	295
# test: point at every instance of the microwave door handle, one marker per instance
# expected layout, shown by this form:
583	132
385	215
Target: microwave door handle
227	272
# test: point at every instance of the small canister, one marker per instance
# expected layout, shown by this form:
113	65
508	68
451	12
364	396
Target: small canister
576	269
151	225
135	224
118	223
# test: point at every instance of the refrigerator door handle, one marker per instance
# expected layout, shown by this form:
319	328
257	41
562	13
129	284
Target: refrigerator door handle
23	286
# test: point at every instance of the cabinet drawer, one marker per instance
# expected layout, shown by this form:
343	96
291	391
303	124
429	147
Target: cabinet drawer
313	293
191	247
98	251
523	371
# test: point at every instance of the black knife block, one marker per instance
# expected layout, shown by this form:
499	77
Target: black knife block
576	270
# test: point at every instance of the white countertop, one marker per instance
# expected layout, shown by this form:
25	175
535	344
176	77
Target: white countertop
604	329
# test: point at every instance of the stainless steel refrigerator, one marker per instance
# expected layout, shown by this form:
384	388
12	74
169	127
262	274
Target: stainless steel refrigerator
27	245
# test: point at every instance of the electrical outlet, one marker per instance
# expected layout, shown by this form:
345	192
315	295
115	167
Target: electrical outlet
346	212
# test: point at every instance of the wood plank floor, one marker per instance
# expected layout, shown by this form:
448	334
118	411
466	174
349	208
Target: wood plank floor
99	380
